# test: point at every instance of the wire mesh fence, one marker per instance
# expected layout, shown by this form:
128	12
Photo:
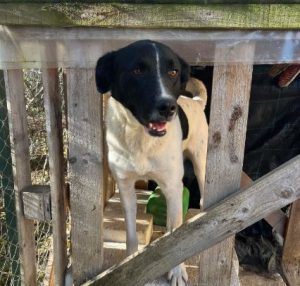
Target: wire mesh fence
9	246
39	163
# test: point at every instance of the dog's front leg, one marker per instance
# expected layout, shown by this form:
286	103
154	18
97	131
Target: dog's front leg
128	199
178	275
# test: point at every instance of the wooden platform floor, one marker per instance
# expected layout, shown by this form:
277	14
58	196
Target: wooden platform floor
115	252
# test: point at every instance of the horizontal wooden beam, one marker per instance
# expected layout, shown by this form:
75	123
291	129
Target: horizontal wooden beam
37	202
25	47
159	1
271	192
119	15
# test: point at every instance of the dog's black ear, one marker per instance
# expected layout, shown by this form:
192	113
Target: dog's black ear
105	72
185	71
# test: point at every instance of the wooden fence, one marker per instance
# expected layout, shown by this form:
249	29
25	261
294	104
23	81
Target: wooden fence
227	209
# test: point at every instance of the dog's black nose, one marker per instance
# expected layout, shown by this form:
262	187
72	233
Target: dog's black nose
166	107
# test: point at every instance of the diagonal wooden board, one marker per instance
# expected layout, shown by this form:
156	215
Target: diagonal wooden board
271	192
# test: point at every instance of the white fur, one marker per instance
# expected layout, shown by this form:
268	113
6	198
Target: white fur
163	91
134	154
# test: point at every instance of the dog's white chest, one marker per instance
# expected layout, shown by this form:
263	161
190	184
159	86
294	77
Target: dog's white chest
132	151
124	161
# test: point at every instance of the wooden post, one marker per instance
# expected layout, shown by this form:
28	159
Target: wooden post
86	173
291	249
227	133
52	103
21	168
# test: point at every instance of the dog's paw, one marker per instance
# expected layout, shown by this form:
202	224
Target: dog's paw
178	276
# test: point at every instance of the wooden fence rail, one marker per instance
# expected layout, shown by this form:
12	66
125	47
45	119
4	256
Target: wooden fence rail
271	192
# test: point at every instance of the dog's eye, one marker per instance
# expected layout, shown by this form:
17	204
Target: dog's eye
137	71
172	73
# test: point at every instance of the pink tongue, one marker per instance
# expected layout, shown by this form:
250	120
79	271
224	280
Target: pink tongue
157	125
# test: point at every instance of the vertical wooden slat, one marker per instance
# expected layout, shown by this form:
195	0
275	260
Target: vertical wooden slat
227	131
52	103
86	173
21	167
291	249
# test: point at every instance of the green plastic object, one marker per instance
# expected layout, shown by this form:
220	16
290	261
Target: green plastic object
157	205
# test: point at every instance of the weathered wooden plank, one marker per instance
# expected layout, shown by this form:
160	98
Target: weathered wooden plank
275	219
21	168
161	1
271	192
52	102
228	119
86	173
291	249
36	202
233	16
227	133
41	33
24	47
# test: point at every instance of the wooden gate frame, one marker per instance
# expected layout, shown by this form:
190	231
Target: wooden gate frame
226	141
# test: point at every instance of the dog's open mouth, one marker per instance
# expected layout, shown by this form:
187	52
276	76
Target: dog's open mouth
157	128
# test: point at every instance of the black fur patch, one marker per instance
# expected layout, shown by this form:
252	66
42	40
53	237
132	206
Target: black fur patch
183	122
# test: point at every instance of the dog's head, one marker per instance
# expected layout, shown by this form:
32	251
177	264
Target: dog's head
146	77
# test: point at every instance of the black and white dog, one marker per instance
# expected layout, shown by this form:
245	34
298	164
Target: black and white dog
145	136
